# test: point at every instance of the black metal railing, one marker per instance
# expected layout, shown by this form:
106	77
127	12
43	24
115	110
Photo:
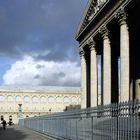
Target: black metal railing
110	122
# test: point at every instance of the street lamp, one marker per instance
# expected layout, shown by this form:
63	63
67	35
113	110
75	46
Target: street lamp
20	113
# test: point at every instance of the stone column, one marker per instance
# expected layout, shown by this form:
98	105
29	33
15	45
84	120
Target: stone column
83	79
137	89
124	57
93	73
106	66
131	90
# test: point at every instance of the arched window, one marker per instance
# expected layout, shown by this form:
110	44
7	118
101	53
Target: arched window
1	98
74	99
35	99
42	99
58	99
26	99
66	99
10	98
51	99
18	99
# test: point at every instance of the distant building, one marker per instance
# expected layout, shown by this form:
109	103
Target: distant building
71	107
21	102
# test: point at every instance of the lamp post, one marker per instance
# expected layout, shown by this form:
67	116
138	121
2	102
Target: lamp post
20	113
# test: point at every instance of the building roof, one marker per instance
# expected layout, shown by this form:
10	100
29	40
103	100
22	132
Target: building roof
38	88
83	19
91	11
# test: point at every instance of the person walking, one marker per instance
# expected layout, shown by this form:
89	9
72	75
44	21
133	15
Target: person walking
4	124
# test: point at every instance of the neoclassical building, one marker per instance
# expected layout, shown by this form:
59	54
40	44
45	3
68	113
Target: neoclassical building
108	35
35	101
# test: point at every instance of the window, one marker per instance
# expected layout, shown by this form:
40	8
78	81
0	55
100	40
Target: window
18	98
1	98
26	99
58	99
10	98
43	99
51	99
66	99
74	99
35	99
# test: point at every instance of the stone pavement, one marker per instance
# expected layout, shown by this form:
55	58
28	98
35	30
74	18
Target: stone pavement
17	133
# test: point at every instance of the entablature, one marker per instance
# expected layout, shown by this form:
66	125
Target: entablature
97	13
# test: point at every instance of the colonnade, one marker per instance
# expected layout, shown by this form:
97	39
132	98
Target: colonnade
92	82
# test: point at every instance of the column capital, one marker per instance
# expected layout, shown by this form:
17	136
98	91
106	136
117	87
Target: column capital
104	32
121	16
91	43
81	52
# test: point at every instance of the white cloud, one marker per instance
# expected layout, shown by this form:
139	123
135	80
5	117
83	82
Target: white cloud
31	72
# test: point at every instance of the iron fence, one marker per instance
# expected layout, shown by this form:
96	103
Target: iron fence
110	122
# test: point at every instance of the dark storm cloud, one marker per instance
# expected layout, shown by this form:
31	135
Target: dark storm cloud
34	26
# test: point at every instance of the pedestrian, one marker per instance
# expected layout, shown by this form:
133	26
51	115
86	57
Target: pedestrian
4	124
1	125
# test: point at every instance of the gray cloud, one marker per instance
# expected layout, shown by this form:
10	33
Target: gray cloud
38	66
28	26
36	76
42	30
60	74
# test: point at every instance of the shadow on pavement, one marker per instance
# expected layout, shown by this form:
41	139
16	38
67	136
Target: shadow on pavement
12	133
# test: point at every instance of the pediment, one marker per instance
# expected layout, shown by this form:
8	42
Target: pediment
92	8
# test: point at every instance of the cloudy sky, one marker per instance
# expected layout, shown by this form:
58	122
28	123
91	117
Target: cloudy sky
37	42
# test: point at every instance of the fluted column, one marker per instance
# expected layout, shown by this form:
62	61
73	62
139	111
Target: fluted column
83	79
106	66
124	57
93	73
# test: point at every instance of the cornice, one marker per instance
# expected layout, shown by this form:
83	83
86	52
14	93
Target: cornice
92	9
84	32
84	17
83	36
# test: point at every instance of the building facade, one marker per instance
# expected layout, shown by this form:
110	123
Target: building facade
19	102
109	30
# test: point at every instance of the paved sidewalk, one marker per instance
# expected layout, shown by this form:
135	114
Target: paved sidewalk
17	133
